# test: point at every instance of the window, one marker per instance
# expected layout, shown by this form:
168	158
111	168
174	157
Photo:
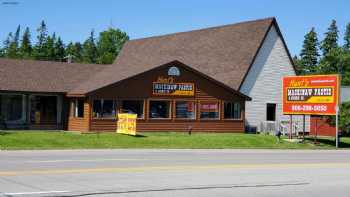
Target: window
78	108
133	107
185	110
209	110
232	110
159	109
104	108
271	112
12	107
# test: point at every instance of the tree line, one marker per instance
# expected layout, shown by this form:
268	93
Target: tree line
100	50
326	56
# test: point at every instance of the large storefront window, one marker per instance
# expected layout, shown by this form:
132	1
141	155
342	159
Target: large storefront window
232	110
209	110
159	109
12	107
133	107
185	110
104	108
43	109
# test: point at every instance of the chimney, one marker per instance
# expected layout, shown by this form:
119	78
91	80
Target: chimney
69	58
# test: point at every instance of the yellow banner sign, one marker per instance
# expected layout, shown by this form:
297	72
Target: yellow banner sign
126	124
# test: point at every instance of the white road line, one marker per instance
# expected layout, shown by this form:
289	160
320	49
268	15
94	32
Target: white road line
30	193
79	160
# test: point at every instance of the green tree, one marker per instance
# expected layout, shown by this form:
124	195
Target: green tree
309	53
6	44
297	64
59	50
331	38
337	61
74	50
347	37
26	46
89	52
13	50
109	45
50	47
2	52
40	50
344	120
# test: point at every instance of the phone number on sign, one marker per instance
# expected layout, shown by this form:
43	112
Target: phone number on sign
320	108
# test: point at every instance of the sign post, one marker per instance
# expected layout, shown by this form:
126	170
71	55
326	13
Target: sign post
311	95
336	127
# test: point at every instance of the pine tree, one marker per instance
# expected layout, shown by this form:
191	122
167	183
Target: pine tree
59	50
78	48
7	43
2	52
89	52
75	51
13	50
331	38
297	64
26	46
347	37
50	47
309	53
40	51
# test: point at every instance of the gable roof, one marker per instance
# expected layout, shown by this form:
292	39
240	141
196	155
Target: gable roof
44	76
224	53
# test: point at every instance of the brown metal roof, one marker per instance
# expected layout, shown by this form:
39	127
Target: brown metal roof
224	53
44	76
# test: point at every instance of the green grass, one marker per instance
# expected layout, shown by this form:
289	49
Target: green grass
25	140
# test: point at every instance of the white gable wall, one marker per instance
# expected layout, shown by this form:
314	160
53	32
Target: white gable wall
264	80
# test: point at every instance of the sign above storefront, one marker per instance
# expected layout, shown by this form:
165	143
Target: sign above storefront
168	87
314	94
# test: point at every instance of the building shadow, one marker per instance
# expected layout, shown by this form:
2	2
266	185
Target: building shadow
331	142
4	133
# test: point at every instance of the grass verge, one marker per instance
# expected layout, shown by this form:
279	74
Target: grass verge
27	140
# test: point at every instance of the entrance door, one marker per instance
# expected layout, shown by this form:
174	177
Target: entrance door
43	109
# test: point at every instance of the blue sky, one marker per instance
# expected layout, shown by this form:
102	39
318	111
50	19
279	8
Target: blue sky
74	19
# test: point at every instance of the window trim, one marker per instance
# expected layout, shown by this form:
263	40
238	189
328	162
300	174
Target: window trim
75	108
170	109
104	118
188	100
209	119
223	106
143	108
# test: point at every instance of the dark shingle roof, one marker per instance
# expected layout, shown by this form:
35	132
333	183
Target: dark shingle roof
43	76
224	53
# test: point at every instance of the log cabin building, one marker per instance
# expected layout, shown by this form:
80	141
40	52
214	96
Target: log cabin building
221	79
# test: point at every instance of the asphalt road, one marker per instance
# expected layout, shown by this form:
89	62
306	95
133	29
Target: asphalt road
175	173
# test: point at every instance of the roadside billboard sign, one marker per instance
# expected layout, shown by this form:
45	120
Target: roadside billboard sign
311	94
